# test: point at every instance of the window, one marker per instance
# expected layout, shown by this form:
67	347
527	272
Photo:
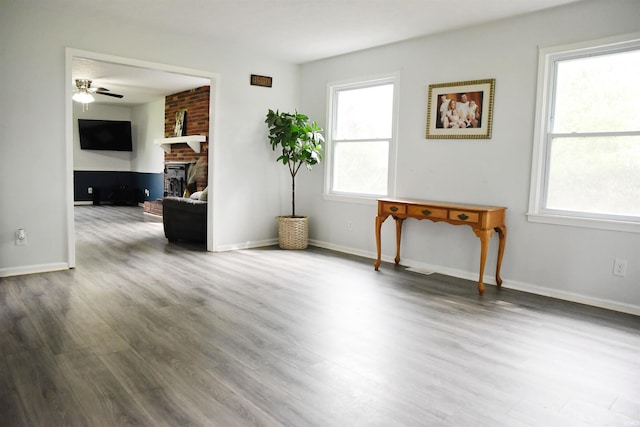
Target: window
361	143
586	165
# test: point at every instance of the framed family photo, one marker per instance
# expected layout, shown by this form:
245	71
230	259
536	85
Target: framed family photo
460	110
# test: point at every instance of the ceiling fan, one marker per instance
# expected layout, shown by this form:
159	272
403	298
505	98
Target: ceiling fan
84	92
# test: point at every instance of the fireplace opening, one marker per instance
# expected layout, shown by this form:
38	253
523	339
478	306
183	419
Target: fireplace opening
175	178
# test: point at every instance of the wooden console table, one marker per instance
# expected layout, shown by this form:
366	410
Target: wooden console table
482	219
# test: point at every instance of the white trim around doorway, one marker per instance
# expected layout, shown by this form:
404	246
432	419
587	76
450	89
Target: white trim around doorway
70	54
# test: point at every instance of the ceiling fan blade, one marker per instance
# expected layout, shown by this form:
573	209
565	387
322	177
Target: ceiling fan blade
115	95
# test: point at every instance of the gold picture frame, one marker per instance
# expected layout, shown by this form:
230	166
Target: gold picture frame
460	110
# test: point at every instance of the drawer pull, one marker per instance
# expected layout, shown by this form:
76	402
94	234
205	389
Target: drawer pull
463	217
426	212
393	208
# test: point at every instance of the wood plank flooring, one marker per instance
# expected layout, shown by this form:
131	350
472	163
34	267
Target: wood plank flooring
148	333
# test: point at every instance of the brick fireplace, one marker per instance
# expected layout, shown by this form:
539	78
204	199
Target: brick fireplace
196	104
196	122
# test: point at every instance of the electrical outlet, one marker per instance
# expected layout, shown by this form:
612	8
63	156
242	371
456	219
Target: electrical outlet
90	190
620	267
146	192
349	224
21	237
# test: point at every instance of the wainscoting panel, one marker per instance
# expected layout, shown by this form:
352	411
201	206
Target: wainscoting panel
117	187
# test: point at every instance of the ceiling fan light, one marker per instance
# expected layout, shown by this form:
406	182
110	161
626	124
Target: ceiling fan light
83	97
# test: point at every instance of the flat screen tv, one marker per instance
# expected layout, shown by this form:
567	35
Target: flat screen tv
112	135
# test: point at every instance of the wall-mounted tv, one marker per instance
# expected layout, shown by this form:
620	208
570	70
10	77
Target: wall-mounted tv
112	135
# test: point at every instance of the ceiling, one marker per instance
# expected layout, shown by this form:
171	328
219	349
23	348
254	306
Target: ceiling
296	31
138	85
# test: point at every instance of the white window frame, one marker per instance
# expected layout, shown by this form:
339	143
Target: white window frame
363	82
547	59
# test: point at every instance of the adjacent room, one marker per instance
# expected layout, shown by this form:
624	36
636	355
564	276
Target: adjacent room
320	213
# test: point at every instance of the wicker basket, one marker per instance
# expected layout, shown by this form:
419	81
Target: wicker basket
293	233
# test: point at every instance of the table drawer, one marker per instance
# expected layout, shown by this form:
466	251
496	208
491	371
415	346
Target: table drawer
394	208
427	211
464	216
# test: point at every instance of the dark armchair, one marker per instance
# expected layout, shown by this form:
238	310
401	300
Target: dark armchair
184	219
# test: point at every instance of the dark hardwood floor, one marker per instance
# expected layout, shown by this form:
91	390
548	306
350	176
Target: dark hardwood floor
144	332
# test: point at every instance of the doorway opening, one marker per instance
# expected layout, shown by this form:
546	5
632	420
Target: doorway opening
145	86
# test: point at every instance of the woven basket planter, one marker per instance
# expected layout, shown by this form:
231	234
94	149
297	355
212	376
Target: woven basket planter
293	233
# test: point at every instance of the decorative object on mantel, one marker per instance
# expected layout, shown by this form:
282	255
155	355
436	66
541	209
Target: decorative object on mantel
460	110
179	128
301	143
264	81
195	171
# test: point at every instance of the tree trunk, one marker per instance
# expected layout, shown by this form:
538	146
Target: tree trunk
293	197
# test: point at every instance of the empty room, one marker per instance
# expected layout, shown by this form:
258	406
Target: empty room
320	213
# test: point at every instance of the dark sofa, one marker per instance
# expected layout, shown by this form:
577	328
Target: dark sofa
184	219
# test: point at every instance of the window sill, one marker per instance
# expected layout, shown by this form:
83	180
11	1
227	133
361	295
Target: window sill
572	221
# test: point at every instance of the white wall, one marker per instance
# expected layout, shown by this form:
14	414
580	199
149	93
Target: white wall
566	262
247	188
147	125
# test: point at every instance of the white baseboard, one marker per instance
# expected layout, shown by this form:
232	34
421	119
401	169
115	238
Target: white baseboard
33	269
247	245
506	283
573	297
347	250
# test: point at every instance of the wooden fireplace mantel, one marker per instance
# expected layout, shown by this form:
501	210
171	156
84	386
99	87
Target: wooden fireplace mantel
192	141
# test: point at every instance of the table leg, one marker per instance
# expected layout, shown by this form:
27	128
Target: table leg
379	221
485	237
399	222
502	233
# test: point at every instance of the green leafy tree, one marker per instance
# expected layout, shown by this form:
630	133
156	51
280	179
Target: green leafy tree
300	141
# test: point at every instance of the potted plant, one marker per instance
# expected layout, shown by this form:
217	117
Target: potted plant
300	141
